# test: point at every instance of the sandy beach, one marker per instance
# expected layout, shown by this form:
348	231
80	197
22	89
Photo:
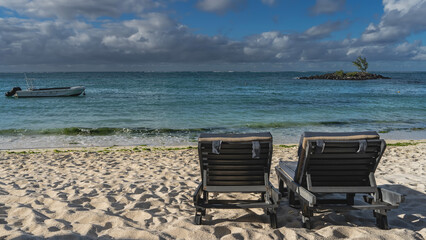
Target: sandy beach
146	193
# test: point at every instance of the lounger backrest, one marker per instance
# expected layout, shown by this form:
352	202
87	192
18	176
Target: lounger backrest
235	159
339	159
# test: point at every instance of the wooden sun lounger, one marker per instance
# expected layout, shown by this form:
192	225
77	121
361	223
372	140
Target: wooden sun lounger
337	163
235	163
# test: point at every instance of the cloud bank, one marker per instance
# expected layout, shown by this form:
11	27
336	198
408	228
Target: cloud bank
65	9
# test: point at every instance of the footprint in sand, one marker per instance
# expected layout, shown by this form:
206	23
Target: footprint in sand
63	196
339	233
80	200
142	205
53	229
221	231
3	213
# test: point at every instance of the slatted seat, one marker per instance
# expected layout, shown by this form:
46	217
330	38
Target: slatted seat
235	163
331	163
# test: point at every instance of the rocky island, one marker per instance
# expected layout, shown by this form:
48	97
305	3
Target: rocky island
362	65
340	75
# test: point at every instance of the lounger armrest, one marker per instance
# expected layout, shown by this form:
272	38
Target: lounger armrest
275	194
391	197
305	195
197	193
302	192
288	172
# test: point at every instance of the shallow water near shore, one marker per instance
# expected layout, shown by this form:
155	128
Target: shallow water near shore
173	108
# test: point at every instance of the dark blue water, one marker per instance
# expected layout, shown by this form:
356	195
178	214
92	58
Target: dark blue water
173	108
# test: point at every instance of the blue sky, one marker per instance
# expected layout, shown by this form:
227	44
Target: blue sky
212	35
284	16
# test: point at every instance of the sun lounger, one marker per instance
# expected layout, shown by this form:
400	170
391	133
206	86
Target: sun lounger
333	164
235	163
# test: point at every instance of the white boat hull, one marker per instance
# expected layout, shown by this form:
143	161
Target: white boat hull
51	92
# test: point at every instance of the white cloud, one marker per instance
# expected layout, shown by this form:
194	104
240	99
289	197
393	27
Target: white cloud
221	6
325	29
401	6
383	34
79	39
66	9
421	54
327	6
155	38
401	18
269	2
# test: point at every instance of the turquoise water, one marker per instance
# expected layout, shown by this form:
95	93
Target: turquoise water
173	108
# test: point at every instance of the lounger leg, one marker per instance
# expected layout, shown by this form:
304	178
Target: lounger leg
265	198
350	198
292	199
198	219
206	196
368	199
307	215
381	219
272	217
282	188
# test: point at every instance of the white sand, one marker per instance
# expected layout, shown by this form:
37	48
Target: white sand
148	195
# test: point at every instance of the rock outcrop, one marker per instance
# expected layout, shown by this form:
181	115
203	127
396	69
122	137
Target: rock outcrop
340	75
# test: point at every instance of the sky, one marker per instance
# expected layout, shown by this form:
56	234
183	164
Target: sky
211	35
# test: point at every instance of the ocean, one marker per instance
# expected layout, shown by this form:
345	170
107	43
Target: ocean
173	108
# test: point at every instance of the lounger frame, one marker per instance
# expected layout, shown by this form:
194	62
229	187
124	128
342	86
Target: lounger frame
234	170
306	194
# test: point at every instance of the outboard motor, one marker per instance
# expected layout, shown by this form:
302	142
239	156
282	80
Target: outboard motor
13	91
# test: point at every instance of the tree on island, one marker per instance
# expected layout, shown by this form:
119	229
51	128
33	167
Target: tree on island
361	64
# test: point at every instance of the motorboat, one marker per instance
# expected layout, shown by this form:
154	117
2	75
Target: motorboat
45	92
